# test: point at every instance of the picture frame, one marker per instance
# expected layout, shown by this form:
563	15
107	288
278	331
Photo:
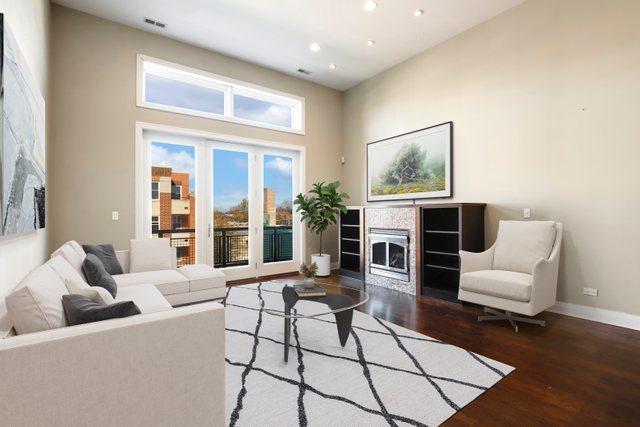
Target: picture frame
412	165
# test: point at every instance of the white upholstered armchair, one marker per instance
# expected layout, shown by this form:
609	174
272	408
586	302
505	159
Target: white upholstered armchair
518	274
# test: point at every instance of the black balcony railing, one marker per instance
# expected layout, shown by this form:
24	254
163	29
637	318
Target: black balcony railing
231	245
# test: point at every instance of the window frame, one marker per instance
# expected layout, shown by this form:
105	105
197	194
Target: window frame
229	86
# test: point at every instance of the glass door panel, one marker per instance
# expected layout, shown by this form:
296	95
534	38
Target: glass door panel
277	212
173	197
231	212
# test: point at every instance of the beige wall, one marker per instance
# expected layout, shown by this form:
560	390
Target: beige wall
94	114
29	23
545	101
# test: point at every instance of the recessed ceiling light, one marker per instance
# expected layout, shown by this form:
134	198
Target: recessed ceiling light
370	43
333	66
370	5
314	47
418	12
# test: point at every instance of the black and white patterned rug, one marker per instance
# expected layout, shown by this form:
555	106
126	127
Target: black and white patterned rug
385	375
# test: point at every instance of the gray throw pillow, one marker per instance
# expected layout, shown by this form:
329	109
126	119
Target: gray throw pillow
79	309
107	254
97	275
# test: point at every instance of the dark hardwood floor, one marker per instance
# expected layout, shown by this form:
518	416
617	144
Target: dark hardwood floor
571	372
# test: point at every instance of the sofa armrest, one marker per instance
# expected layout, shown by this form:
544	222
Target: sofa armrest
124	258
163	368
476	261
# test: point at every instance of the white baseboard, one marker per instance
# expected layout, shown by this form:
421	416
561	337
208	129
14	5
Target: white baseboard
611	317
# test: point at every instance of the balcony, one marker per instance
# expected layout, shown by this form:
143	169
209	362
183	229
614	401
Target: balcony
231	245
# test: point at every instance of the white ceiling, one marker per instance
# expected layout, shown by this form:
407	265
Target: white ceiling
277	33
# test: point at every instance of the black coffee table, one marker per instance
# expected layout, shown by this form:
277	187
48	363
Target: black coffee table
340	301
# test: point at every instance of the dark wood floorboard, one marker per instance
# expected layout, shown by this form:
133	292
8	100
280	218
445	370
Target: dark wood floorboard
571	372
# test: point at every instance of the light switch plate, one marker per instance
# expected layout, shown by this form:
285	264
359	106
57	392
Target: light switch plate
592	292
115	216
526	213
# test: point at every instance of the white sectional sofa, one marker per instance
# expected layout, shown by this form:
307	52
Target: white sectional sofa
128	371
183	285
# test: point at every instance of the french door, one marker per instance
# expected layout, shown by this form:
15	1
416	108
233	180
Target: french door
252	229
222	203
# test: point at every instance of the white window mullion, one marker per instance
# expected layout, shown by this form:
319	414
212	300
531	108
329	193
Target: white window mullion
228	101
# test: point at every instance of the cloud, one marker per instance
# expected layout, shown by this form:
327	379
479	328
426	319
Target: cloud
178	161
280	165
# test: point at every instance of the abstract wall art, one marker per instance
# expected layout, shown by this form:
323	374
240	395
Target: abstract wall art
22	142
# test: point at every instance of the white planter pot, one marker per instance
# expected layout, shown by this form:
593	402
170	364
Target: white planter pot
323	262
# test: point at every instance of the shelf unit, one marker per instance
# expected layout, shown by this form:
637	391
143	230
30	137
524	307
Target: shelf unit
444	230
352	243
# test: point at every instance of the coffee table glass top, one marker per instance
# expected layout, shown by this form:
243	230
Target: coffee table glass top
338	299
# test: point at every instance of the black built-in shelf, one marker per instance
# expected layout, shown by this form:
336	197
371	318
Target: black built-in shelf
446	229
352	243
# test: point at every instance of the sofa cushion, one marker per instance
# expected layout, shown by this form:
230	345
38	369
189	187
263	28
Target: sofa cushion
498	283
520	244
167	281
107	255
79	309
66	272
149	255
202	276
97	275
147	298
73	253
36	304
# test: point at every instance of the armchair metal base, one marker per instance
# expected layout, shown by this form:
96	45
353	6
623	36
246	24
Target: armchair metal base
507	315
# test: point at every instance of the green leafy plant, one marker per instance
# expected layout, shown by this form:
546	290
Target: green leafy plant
321	207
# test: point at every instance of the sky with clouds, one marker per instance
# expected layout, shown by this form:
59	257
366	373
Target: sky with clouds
231	172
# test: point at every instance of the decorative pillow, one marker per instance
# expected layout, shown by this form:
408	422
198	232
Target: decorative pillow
80	309
36	304
520	244
96	293
107	255
97	275
73	253
66	272
150	255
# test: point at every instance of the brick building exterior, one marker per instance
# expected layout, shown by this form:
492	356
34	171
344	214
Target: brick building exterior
173	211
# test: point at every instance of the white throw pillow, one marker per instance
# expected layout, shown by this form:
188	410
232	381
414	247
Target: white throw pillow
150	255
95	293
520	244
66	272
36	305
73	253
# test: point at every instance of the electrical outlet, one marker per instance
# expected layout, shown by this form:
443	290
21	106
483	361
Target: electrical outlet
592	292
115	216
526	213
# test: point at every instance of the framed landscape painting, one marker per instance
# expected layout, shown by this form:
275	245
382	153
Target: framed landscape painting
414	165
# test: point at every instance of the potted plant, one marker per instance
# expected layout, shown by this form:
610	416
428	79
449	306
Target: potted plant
309	273
319	209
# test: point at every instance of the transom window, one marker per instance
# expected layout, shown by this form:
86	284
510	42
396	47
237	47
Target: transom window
171	87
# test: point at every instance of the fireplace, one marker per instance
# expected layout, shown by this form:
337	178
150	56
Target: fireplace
389	253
